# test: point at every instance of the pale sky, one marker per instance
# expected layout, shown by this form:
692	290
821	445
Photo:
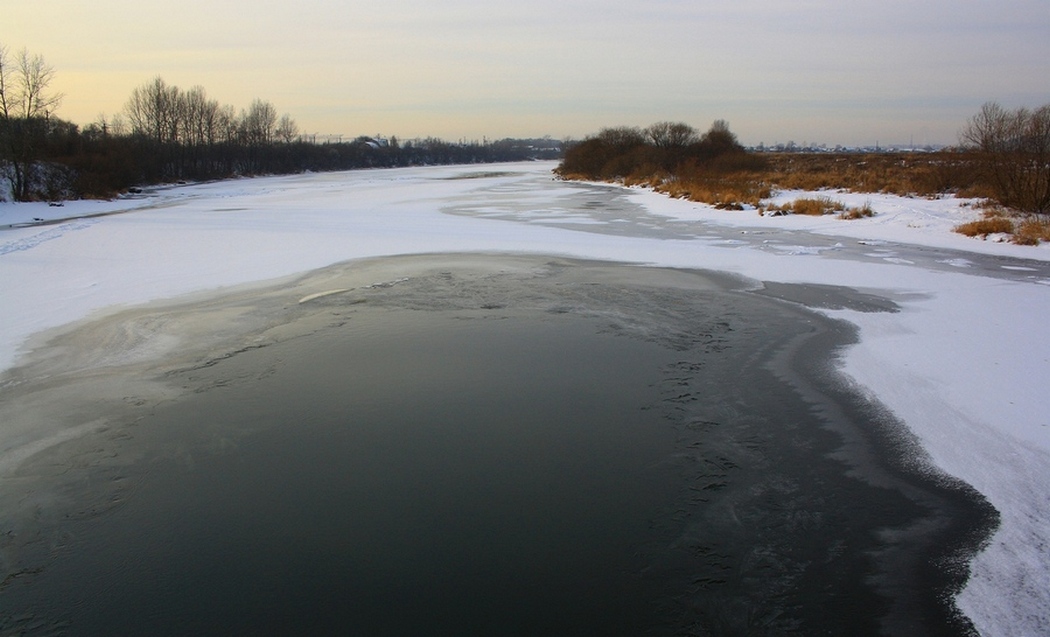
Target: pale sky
821	71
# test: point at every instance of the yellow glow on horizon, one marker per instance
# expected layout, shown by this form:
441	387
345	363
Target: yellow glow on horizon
815	70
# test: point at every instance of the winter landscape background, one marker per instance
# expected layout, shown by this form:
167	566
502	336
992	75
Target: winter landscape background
963	364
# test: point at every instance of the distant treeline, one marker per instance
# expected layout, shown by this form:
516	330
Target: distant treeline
100	164
166	134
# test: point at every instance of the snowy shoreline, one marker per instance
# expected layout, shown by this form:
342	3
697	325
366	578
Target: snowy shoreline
964	364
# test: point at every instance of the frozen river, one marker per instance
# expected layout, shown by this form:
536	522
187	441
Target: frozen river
950	339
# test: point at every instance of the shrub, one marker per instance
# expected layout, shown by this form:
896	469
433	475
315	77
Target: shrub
628	152
815	207
984	227
1032	231
858	212
1014	149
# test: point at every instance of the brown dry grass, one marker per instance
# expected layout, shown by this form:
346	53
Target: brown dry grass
722	191
726	190
1032	231
805	206
858	212
984	227
819	206
1025	230
905	174
816	206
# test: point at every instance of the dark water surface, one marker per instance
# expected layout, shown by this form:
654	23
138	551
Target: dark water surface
560	449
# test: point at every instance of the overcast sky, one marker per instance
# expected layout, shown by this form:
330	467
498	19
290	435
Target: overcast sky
830	71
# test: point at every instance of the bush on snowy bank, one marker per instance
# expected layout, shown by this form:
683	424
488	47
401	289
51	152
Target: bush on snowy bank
1004	225
664	148
673	158
1014	149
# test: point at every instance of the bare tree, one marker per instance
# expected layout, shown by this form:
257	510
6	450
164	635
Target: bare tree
287	129
257	127
30	98
153	110
988	129
227	124
192	106
5	118
26	108
1015	153
118	126
668	135
259	123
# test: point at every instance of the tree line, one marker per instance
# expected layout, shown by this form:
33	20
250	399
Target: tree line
166	134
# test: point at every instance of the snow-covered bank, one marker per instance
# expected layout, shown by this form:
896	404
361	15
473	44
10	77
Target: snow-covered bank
963	364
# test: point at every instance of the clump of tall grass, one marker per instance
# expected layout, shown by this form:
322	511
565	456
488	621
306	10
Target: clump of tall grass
1032	231
819	206
1025	230
984	227
726	192
816	206
857	212
813	206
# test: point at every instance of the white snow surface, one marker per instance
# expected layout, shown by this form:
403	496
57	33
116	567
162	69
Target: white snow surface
965	364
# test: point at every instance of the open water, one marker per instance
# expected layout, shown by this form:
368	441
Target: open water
493	445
